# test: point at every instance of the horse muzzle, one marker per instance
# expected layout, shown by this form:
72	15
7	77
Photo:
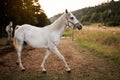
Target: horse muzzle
78	26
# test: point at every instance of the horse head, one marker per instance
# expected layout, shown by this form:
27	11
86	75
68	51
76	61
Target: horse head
11	23
72	20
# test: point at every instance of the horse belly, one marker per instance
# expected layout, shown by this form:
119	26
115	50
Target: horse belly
37	42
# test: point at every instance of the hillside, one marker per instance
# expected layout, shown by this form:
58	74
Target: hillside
106	13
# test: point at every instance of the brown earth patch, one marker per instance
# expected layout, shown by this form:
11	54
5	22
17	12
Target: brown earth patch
81	61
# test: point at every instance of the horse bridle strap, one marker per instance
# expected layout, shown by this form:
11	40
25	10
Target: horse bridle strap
71	23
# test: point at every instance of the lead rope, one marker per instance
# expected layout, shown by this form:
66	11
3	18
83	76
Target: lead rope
71	30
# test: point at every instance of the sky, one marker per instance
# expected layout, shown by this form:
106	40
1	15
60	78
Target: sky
53	7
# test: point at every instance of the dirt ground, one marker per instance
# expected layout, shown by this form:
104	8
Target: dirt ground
80	60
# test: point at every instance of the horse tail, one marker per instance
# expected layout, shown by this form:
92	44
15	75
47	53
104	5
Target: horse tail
15	43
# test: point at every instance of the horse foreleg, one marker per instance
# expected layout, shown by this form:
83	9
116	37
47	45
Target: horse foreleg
19	56
43	62
8	36
55	50
11	36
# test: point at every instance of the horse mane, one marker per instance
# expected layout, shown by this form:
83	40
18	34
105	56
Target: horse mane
58	22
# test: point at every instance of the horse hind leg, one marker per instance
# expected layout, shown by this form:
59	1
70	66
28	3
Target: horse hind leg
43	62
19	55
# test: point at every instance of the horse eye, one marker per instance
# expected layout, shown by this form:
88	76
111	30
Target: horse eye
71	18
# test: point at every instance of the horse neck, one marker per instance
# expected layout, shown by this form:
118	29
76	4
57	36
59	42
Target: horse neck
60	24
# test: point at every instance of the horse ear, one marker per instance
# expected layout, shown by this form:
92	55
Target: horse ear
66	11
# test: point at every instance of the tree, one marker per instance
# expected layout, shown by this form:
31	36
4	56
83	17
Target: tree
42	19
20	12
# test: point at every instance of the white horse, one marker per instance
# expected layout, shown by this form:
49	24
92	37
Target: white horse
9	30
47	37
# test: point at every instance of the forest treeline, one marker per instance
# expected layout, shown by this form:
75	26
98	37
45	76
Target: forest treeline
21	12
106	13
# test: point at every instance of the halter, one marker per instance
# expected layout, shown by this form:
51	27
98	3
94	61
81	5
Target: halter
68	21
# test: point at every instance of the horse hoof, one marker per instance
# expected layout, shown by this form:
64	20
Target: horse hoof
44	72
23	70
69	71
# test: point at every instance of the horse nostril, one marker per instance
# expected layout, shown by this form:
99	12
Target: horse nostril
80	27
